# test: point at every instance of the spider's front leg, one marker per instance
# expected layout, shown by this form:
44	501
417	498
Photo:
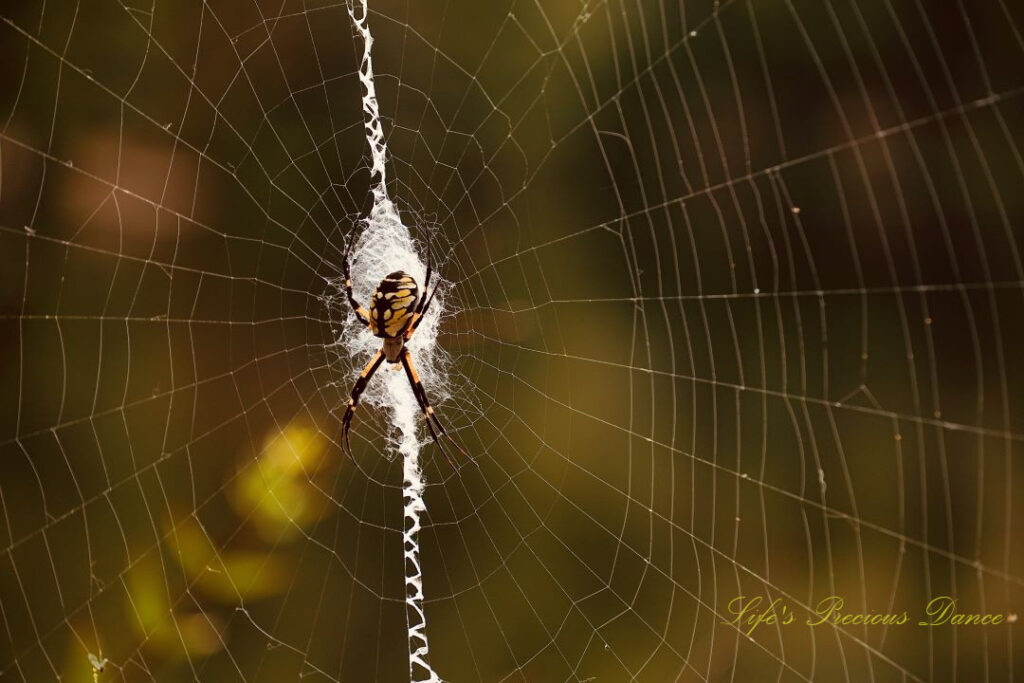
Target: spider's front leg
360	312
357	391
417	316
424	303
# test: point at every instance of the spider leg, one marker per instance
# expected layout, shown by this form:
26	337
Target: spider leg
357	391
424	302
361	313
417	317
428	411
426	280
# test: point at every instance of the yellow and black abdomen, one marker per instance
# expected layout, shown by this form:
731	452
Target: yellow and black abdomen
392	304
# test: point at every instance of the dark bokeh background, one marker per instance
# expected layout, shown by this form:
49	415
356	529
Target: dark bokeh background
736	311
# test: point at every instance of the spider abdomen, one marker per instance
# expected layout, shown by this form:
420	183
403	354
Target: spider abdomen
392	305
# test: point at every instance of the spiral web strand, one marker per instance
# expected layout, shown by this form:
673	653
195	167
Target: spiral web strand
732	309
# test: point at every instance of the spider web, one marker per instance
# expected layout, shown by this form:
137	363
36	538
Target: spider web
734	311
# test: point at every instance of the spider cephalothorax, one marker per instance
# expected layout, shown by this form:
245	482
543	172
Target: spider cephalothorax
396	310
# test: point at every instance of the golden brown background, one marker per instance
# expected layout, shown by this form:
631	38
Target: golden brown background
737	309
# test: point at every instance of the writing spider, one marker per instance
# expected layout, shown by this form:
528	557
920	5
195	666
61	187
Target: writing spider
396	310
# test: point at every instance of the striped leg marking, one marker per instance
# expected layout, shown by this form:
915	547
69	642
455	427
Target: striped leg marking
357	391
361	313
428	411
421	308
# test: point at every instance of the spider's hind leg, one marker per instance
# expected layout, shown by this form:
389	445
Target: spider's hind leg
357	391
428	411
